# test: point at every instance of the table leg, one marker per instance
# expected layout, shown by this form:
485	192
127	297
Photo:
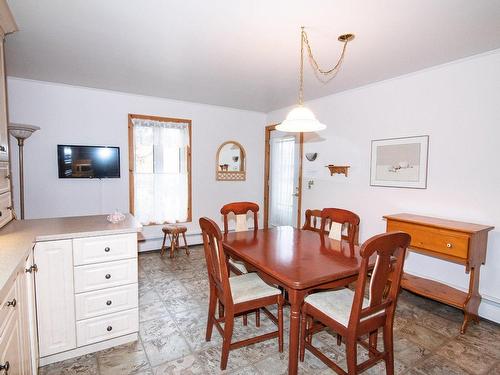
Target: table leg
296	298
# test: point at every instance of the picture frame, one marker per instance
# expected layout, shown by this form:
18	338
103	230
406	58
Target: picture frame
400	162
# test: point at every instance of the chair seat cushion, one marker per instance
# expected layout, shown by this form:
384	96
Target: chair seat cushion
250	287
337	304
238	265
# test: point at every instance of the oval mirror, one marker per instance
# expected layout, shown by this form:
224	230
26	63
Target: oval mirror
230	162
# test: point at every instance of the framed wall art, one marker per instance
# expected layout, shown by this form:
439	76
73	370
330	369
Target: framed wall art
400	162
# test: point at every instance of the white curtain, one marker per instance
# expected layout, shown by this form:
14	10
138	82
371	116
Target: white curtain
160	171
282	180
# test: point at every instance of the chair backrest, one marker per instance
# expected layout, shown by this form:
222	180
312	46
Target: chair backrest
341	216
240	208
390	249
313	220
217	266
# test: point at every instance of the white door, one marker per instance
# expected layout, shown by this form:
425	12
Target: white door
55	301
284	171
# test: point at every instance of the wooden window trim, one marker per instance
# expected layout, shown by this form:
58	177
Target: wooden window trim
133	116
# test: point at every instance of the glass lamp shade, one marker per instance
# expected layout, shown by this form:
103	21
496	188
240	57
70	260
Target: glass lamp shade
301	119
22	131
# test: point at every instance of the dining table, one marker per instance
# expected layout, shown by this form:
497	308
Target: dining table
300	261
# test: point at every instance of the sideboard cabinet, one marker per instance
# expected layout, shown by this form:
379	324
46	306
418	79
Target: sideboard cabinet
451	241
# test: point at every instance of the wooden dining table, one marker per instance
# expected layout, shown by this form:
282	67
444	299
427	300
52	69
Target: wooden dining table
300	262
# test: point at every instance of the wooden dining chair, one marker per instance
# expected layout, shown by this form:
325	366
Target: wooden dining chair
240	209
352	315
239	294
341	216
312	221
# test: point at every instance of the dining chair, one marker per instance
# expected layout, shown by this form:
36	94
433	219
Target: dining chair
238	294
240	209
341	216
352	315
312	221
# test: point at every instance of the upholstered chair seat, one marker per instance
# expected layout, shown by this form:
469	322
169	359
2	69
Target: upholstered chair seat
337	304
250	286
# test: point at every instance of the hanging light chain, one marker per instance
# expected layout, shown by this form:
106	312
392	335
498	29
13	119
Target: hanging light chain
301	87
325	72
315	64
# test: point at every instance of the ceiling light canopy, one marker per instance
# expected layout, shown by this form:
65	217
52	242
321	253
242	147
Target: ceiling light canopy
302	119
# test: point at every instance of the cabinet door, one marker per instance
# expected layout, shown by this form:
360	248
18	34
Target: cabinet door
10	347
4	177
28	320
5	208
55	297
4	140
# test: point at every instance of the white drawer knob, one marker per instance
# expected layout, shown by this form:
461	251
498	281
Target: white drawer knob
449	245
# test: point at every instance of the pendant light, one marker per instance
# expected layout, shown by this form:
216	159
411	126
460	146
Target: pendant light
301	118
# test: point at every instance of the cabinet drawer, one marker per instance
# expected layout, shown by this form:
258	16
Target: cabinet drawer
440	241
6	307
5	209
106	301
105	275
4	178
104	248
106	327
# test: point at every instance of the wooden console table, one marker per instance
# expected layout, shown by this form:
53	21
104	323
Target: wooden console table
452	241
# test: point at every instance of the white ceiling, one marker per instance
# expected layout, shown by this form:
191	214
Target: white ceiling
239	53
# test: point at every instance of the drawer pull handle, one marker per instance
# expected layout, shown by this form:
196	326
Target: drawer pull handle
449	245
108	302
5	367
109	328
108	276
106	249
12	303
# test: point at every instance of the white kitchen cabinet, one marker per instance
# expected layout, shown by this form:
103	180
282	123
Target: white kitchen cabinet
86	294
29	316
55	296
16	338
11	355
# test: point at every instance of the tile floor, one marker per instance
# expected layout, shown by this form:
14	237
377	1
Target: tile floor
173	297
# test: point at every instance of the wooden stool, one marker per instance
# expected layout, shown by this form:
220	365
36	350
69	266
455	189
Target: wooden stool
173	232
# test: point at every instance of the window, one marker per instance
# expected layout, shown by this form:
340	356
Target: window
160	169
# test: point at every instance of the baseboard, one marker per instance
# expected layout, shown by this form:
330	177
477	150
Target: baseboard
88	349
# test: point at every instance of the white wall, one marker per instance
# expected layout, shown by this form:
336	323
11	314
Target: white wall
78	115
457	105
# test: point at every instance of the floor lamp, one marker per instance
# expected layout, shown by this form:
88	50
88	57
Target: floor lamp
21	132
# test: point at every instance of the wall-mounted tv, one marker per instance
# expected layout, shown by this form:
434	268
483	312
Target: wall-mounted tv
88	161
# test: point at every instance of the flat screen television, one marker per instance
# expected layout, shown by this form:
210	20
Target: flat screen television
88	161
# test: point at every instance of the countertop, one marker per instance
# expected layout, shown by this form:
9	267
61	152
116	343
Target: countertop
17	237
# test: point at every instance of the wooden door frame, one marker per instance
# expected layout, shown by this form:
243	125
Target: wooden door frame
268	130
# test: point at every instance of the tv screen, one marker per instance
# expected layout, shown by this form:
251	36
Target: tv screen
88	161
